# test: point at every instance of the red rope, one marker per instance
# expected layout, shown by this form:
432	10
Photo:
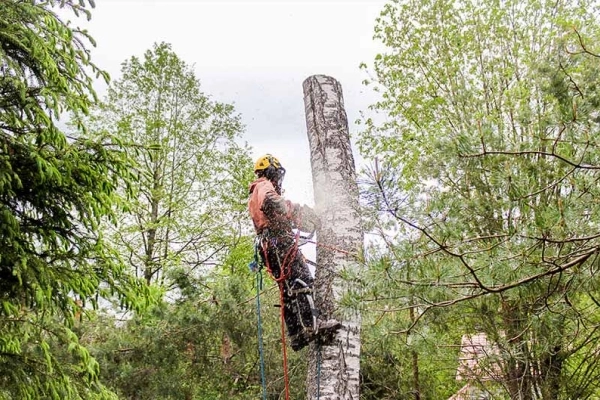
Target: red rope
285	271
331	248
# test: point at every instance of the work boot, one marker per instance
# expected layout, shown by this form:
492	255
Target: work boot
298	341
325	333
329	326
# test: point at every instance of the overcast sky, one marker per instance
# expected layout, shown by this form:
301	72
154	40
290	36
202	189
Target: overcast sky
254	54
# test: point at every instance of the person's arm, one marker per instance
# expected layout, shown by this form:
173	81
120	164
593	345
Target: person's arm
278	209
274	206
307	219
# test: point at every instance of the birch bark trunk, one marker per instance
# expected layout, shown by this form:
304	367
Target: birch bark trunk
333	369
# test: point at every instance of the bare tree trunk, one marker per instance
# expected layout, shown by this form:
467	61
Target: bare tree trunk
333	369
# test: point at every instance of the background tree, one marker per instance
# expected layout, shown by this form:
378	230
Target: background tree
401	359
55	191
189	198
488	170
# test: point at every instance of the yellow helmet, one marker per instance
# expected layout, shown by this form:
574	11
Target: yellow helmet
265	162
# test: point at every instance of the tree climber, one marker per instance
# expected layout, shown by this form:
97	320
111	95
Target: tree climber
274	218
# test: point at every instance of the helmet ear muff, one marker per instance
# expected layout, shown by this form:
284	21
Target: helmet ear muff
275	175
270	173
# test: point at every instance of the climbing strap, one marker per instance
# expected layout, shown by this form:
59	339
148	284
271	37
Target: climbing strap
259	283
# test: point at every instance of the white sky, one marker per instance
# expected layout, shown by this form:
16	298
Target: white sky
254	54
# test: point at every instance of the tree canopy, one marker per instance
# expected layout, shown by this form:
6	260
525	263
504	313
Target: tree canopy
191	173
484	188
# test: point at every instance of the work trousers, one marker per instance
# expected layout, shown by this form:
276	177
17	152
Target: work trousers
298	313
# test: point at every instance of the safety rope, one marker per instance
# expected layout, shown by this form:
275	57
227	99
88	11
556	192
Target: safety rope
285	271
349	253
286	378
263	379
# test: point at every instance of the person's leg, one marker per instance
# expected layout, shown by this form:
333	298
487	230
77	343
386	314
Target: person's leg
300	313
306	315
295	329
301	285
276	255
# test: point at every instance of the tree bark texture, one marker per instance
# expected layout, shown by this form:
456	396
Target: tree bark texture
333	368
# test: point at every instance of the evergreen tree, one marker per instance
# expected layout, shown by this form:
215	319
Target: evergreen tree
55	191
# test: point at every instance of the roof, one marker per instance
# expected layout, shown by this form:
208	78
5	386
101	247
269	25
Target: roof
477	360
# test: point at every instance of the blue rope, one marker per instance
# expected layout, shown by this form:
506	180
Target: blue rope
260	335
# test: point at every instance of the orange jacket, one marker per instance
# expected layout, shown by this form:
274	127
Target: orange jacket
268	209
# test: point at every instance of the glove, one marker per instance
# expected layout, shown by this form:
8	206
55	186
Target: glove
309	220
293	212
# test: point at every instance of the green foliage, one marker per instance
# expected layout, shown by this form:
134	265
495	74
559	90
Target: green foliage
54	193
202	346
192	176
388	357
484	189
